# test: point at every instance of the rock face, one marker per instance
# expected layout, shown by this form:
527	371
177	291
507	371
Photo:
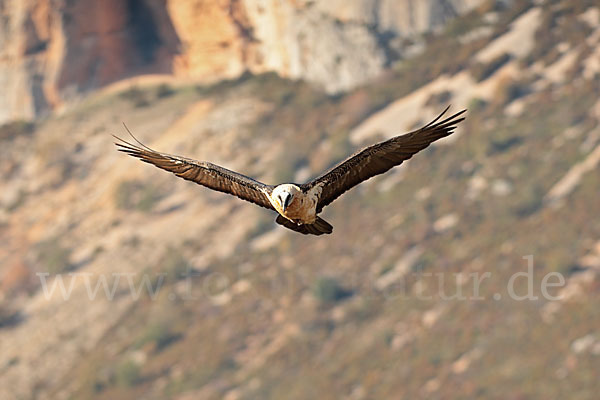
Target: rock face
52	50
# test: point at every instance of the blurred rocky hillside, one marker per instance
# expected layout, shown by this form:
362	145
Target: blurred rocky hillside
53	51
243	309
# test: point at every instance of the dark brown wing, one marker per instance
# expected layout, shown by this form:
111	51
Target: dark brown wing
203	173
379	158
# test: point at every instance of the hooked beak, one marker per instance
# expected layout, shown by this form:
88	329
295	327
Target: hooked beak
286	201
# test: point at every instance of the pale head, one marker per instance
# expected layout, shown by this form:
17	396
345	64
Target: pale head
284	194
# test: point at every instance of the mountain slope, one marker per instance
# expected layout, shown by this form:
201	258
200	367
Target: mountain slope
374	311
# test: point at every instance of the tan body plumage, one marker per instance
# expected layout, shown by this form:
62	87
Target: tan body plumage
302	208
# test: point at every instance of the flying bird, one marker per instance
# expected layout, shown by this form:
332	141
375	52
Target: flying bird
299	204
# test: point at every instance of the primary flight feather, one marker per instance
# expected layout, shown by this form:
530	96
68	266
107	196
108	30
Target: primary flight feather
299	204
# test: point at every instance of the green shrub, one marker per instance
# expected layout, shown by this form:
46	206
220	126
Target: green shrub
127	374
136	96
502	144
160	334
174	264
476	104
482	71
135	195
8	317
13	129
52	256
508	90
328	290
529	201
439	99
164	90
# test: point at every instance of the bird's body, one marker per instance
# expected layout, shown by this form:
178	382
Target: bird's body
299	204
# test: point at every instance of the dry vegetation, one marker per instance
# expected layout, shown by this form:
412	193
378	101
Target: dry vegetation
303	317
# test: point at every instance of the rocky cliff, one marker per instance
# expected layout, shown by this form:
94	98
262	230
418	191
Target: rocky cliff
52	50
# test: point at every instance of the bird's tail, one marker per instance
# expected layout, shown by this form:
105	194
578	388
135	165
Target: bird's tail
319	227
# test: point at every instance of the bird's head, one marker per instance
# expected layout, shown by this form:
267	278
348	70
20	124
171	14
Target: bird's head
284	195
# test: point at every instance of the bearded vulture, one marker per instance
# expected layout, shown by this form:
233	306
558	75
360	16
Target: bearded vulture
299	204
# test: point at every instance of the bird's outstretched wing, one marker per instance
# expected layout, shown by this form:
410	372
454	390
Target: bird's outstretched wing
201	172
379	158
